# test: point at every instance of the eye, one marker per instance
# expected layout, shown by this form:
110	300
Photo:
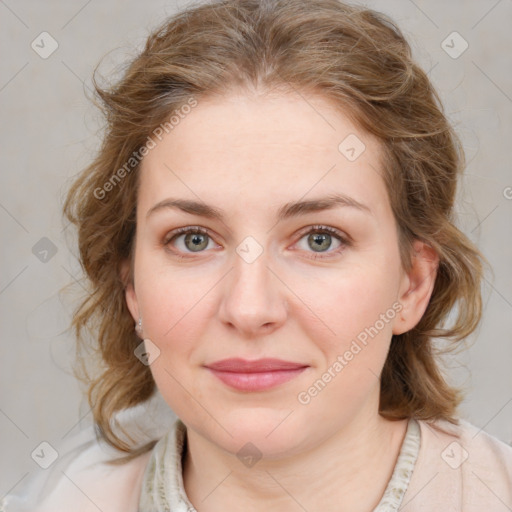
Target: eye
190	239
316	240
322	239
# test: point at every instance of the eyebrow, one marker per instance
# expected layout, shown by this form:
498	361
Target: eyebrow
292	209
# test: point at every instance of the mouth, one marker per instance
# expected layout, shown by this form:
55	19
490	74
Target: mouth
257	375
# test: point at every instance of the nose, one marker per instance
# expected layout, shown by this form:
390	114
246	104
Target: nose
254	300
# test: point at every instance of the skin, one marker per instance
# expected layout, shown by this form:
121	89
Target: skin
248	154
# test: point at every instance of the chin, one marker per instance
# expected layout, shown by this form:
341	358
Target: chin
269	432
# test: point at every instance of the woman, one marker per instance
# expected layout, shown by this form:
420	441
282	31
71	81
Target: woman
272	210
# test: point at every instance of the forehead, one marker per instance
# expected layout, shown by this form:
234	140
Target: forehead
261	148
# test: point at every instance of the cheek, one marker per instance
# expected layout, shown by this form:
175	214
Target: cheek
340	308
173	303
358	312
175	314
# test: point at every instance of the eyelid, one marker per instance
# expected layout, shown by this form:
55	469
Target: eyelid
343	236
185	230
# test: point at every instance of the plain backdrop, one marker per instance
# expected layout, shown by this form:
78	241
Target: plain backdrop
49	131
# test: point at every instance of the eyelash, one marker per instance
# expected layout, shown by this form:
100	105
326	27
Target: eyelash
318	229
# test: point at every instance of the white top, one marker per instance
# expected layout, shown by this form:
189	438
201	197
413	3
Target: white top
453	468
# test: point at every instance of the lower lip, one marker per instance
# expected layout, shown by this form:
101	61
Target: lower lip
259	381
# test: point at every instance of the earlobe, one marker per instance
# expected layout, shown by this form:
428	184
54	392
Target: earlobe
417	287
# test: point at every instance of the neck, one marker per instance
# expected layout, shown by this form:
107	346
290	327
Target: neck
335	473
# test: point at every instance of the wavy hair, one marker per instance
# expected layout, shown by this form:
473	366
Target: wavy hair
352	55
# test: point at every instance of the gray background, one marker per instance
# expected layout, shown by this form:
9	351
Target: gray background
49	131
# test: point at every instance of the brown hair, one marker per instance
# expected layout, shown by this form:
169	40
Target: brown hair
356	57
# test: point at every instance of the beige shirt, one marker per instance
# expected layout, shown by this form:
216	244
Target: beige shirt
450	469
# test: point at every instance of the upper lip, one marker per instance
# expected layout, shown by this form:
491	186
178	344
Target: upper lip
237	365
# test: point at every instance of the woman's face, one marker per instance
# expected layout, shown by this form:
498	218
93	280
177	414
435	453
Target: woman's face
292	255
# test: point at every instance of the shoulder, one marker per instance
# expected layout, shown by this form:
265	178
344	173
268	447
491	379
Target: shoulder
90	483
83	482
467	443
459	467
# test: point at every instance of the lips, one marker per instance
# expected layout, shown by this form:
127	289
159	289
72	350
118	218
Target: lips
259	365
255	375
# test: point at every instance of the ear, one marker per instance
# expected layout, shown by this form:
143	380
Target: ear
129	289
417	286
